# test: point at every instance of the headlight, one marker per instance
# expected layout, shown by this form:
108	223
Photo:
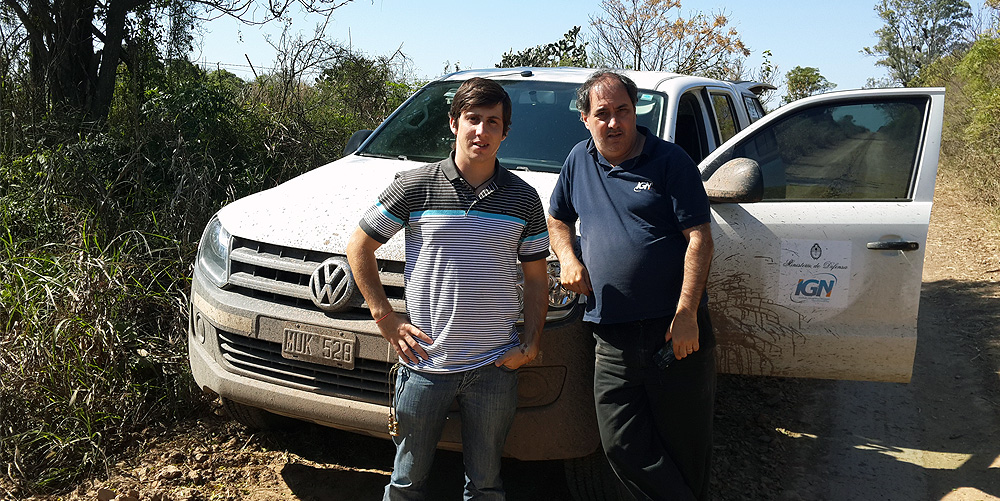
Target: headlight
561	301
559	297
213	252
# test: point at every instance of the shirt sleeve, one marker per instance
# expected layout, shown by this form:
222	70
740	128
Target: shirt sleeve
691	205
389	215
561	201
534	243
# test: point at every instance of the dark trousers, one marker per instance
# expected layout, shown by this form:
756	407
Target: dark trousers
656	425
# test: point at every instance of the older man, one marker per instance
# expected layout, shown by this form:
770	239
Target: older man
646	249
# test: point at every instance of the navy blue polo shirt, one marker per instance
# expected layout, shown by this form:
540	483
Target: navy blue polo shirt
631	222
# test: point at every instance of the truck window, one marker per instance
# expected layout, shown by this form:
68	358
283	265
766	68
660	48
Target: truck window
843	151
545	125
754	109
690	133
725	116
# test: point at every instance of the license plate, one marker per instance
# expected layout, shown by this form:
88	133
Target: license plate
333	348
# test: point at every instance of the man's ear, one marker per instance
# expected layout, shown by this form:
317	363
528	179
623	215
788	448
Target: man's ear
451	123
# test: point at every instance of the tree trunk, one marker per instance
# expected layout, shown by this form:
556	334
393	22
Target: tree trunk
110	57
71	81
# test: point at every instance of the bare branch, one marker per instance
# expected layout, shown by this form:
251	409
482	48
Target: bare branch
651	35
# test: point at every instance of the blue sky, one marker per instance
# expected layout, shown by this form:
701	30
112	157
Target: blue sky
827	35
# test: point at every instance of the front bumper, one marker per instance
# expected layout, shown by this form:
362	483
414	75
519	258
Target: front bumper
232	342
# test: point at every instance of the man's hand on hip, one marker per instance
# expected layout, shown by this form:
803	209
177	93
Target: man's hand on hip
403	336
517	356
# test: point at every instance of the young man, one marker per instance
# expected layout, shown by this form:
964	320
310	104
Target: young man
468	221
647	246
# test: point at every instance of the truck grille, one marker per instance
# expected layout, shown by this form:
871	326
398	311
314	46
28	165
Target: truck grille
281	274
367	382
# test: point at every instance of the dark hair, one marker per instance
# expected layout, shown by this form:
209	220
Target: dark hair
480	92
601	76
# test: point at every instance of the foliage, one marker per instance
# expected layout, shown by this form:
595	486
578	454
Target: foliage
970	142
570	51
98	225
62	34
804	82
979	70
648	35
363	90
92	351
766	73
917	33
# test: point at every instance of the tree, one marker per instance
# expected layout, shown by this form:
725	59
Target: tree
570	51
766	74
75	46
804	82
917	33
648	35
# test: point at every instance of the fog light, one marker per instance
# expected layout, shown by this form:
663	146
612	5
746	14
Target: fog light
199	328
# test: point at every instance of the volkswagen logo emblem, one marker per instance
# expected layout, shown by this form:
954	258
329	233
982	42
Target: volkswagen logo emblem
332	286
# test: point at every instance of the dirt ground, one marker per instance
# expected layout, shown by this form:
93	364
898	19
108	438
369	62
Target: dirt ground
937	437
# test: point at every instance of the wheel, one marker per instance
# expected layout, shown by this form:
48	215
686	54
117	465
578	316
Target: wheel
591	478
254	418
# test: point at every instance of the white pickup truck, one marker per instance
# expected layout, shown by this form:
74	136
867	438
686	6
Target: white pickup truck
819	213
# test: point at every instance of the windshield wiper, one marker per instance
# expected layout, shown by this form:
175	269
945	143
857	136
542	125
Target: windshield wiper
382	155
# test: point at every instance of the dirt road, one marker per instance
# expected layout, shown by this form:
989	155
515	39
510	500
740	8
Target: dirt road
936	438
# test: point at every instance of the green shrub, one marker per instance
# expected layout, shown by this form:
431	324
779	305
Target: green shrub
98	227
970	142
92	352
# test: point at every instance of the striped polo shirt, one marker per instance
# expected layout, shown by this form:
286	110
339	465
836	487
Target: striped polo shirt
461	258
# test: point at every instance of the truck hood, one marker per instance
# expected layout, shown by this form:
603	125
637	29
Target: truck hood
320	209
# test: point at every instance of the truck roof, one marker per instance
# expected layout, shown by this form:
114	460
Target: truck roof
650	80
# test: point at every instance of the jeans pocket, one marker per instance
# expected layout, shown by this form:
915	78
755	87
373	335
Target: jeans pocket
508	369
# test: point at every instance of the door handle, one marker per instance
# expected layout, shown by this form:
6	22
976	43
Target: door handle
894	245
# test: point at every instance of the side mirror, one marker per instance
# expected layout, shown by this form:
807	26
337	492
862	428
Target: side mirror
736	181
355	141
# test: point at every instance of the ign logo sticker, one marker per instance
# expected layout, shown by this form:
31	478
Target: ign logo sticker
820	286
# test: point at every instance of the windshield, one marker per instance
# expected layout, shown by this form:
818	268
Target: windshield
545	124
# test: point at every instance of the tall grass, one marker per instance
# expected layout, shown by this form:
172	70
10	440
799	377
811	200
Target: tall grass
92	351
98	228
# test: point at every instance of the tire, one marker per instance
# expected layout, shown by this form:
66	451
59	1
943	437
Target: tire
591	478
254	418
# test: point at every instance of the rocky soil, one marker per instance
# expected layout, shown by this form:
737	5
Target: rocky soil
775	439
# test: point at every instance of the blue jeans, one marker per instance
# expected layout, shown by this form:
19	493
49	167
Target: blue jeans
656	425
487	400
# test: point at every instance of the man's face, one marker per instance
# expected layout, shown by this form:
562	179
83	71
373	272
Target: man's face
478	132
611	120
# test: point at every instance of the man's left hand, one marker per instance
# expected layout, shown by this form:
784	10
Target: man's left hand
684	333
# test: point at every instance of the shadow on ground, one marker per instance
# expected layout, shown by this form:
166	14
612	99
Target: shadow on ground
362	466
933	438
787	439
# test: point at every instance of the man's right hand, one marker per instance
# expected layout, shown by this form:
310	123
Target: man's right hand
403	336
573	275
